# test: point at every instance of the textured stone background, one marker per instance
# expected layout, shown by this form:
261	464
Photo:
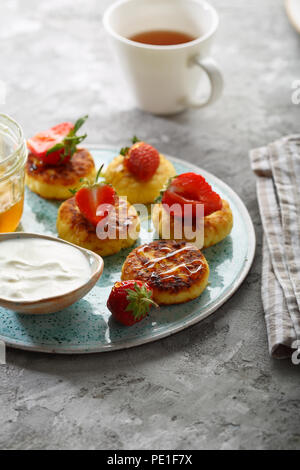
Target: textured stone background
214	385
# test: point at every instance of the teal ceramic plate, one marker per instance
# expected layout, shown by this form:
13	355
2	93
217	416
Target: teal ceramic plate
87	327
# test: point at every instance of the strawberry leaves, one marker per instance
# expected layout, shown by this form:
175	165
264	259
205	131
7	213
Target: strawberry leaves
135	139
130	301
139	301
124	150
71	141
79	123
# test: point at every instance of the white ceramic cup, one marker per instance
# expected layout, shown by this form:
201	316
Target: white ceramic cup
166	79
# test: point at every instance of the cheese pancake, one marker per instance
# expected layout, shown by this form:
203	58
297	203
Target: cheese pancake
176	271
217	225
73	227
138	192
55	181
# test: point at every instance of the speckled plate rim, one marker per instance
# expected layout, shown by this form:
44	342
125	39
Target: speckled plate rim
248	260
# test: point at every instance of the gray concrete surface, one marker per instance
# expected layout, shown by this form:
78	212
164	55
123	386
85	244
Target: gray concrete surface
214	385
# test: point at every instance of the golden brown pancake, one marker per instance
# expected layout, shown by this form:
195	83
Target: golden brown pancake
216	225
55	181
73	227
176	271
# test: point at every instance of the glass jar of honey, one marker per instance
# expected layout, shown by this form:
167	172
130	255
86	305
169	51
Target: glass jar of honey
13	155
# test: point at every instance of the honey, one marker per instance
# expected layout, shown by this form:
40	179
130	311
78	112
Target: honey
13	154
10	218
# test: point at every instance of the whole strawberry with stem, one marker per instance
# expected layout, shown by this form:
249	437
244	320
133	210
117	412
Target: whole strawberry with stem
130	301
141	159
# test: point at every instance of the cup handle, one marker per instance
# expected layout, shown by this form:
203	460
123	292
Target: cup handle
216	80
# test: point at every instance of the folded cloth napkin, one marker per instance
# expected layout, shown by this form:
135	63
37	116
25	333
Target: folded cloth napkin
277	170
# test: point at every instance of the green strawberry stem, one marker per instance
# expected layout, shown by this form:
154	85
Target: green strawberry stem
125	150
99	173
150	301
135	139
139	301
70	142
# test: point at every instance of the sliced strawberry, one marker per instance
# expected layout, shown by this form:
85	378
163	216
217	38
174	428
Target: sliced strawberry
57	144
142	160
90	199
191	189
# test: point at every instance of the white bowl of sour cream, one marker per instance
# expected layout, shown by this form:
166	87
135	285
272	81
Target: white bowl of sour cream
43	274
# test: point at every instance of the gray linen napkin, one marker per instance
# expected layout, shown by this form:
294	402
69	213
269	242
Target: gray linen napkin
277	170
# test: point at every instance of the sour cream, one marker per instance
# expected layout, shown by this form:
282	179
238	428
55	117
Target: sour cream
33	269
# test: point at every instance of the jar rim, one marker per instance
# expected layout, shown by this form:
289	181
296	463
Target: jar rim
20	137
19	154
